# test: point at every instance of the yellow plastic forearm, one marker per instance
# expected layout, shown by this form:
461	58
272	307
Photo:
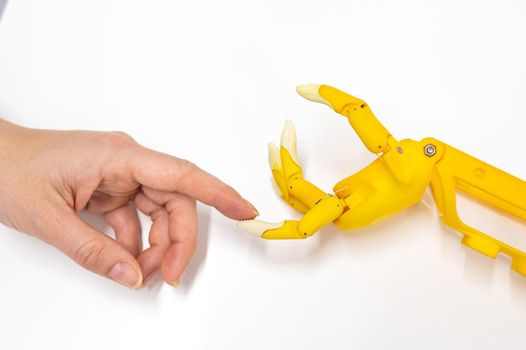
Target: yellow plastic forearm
458	170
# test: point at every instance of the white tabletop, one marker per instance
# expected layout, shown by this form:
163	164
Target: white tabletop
213	81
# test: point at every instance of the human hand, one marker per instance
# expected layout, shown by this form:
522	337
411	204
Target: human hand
47	177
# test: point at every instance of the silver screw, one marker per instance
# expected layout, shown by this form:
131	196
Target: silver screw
430	150
399	149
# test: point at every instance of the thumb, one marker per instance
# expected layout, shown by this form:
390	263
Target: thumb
95	251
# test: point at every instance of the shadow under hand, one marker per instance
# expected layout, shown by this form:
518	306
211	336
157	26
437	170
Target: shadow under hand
197	262
96	221
3	5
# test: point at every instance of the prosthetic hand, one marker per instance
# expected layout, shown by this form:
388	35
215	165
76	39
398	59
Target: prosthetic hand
396	180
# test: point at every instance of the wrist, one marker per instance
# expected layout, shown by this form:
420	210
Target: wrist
10	137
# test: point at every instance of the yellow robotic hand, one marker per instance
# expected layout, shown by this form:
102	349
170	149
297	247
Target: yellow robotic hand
396	180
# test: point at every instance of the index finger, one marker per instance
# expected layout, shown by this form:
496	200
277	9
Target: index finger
171	174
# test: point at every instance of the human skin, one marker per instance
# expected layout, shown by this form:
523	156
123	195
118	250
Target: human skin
47	177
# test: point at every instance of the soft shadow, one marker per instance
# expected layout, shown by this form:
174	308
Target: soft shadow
478	268
378	235
154	285
3	5
518	288
199	258
96	221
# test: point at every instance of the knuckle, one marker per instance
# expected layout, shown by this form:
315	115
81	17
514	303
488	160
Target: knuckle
187	166
159	214
90	255
117	139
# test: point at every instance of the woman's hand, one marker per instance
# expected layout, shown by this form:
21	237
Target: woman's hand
48	177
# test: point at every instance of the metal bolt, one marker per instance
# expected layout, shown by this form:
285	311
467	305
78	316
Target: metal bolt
430	150
399	149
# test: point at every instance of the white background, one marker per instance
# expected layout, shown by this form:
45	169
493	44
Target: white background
213	81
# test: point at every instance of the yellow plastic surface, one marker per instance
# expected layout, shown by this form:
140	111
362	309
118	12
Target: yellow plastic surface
394	181
319	208
376	192
372	133
458	170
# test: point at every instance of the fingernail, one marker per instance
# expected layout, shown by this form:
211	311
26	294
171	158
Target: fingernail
178	281
125	274
146	279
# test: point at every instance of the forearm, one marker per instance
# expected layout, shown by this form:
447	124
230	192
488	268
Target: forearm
8	140
17	143
13	159
9	136
5	125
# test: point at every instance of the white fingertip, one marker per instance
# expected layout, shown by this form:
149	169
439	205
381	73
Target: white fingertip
289	140
312	93
274	159
256	228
